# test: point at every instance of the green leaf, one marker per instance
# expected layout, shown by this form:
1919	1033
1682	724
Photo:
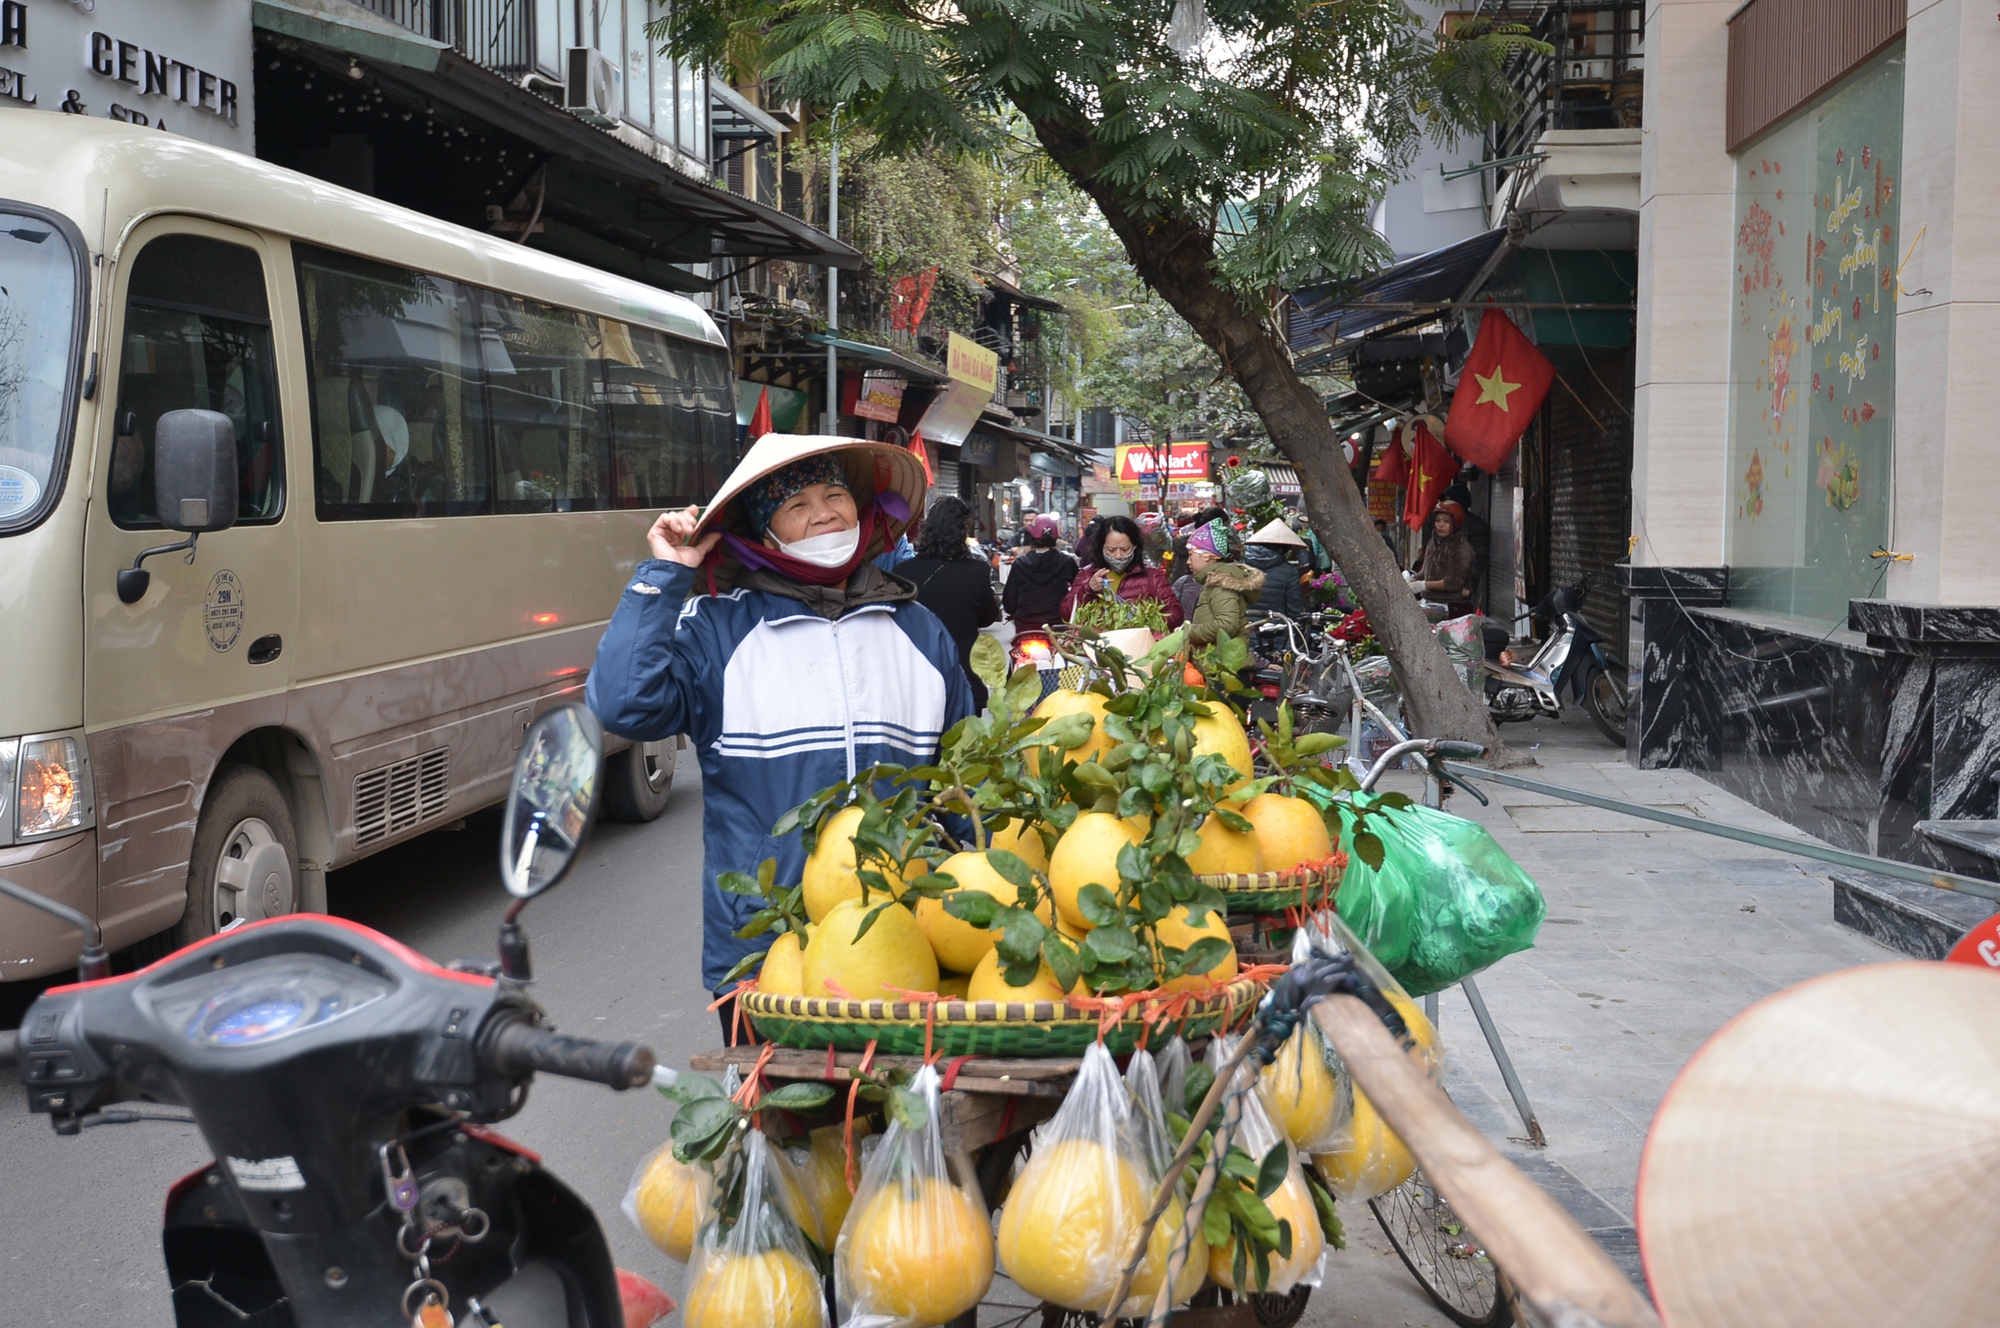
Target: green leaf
1133	863
1063	959
1134	802
973	906
1200	1078
1205	954
988	660
798	1097
1314	744
692	1087
1255	1216
699	1120
1012	870
869	921
744	965
1215	1224
1394	801
1098	906
933	885
1329	1215
1368	847
737	883
1271	1171
1066	731
907	1109
1021	934
1111	944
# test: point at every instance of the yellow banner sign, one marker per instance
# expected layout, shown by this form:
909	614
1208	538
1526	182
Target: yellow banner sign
970	362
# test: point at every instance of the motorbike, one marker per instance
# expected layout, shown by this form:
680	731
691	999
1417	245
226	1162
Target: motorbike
1573	658
347	1087
1296	662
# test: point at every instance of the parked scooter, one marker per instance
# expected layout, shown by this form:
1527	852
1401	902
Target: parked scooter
346	1084
1574	657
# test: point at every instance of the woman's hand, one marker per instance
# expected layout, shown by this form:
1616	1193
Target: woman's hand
669	538
1100	582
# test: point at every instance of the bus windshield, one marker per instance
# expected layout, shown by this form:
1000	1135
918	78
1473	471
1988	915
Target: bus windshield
38	308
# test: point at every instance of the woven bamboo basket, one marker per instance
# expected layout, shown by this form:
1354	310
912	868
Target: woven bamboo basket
966	1028
1274	892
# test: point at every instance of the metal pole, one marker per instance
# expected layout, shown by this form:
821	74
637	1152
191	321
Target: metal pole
1506	1064
833	286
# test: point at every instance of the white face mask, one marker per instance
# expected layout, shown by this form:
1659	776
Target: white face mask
833	549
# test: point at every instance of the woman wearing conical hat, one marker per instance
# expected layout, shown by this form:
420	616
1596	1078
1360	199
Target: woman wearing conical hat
762	630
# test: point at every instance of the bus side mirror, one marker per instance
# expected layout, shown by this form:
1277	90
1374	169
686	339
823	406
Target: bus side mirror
194	487
194	471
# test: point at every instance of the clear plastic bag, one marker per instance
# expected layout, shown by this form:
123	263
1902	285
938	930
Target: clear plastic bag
1072	1218
1306	1089
668	1201
821	1167
1149	1122
1464	644
1365	1158
916	1249
754	1269
1446	902
1172	1067
1291	1202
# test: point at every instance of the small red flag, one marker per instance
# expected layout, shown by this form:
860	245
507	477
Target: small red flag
1394	465
760	418
1432	470
923	455
1502	387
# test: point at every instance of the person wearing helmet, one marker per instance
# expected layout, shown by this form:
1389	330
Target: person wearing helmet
761	629
1038	579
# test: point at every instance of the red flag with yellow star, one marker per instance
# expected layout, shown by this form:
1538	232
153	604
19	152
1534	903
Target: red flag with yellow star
1502	387
1432	469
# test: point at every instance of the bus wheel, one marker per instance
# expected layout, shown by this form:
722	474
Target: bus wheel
244	865
638	781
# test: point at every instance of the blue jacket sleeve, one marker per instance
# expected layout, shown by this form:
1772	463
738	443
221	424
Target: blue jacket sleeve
644	685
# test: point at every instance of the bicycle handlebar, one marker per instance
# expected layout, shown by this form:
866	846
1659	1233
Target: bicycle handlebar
513	1047
1464	751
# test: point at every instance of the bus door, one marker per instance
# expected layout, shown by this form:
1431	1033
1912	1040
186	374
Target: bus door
205	656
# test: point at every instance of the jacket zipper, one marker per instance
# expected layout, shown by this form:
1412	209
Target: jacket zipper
846	700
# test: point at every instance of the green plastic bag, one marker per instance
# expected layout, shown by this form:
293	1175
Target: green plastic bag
1446	902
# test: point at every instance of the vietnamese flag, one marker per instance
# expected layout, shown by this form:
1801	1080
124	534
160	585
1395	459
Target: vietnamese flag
1502	387
1432	469
917	446
1394	467
760	418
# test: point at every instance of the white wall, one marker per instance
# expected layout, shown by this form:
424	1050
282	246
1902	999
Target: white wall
1680	482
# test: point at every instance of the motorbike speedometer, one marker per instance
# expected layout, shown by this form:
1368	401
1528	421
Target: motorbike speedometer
266	999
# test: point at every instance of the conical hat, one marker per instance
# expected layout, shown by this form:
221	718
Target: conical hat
1828	1159
872	469
1277	532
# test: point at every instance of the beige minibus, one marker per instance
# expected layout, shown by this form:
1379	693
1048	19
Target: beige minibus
406	469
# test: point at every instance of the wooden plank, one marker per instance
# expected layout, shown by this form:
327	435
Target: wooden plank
1562	1274
971	1121
1015	1077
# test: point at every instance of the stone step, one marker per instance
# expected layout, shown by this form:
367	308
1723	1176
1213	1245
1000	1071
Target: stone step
1968	846
1919	920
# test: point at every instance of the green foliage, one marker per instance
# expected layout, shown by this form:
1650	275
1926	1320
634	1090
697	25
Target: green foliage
1108	613
784	910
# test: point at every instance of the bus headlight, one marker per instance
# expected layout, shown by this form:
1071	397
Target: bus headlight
52	793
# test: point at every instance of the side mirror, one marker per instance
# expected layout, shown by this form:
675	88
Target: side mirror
552	802
194	471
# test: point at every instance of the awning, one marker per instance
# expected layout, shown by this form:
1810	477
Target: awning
1332	317
1284	478
880	357
996	422
1019	296
344	26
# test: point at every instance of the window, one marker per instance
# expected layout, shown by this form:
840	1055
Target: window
197	336
38	353
394	360
434	398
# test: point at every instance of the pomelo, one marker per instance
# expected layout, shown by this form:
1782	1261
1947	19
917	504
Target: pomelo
958	944
1024	841
671	1202
830	873
917	1252
1226	852
894	953
1065	702
1290	1202
1301	1091
1087	854
1177	931
1220	733
783	973
1070	1222
774	1289
989	983
1291	831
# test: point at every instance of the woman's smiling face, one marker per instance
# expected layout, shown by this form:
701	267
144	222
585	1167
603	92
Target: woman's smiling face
817	509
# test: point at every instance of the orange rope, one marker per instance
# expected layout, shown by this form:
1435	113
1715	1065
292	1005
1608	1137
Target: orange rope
853	1095
736	1011
748	1095
929	1000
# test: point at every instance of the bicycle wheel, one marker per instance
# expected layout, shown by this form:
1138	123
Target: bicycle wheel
1441	1254
1269	1309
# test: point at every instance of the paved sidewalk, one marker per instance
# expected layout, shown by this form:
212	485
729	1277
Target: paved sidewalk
1655	938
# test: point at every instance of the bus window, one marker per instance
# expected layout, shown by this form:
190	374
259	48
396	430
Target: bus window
399	418
653	400
38	306
197	336
547	435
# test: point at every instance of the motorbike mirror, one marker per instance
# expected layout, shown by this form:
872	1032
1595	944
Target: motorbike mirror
553	800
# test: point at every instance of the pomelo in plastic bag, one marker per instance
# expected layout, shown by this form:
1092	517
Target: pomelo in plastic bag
668	1201
1291	1202
751	1267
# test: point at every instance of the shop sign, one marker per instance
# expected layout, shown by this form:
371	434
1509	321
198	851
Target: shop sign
881	396
974	371
979	451
175	65
1185	462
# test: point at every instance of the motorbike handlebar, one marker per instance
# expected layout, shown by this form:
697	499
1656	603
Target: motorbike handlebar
513	1047
10	1047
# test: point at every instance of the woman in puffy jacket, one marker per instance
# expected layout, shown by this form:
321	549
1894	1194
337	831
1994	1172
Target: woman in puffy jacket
1117	568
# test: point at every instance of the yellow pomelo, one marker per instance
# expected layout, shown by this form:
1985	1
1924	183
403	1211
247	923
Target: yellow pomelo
830	873
671	1201
1373	1160
1175	930
954	986
894	953
1226	852
1300	1090
1291	1203
775	1289
1024	841
1218	732
921	1253
989	983
1065	702
823	1176
1159	1248
1076	931
783	973
1087	854
1290	830
960	945
1070	1222
790	1184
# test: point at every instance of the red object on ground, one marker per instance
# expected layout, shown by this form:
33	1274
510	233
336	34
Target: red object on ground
1502	387
1432	469
1980	947
644	1303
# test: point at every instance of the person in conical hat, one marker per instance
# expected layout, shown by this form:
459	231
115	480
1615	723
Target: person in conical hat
762	630
1269	550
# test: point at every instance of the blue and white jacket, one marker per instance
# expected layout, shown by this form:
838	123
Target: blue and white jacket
779	702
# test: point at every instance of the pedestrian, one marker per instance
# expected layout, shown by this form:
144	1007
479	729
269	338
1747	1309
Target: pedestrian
1227	588
1449	562
1117	568
1039	580
1270	551
951	583
1019	539
762	631
1382	529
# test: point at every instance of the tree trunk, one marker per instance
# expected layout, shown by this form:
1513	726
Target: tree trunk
1174	258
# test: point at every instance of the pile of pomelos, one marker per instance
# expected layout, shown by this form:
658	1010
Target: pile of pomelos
927	949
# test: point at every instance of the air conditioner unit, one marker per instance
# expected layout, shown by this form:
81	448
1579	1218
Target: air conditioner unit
595	84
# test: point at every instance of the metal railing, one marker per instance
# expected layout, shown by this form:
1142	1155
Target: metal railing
1592	79
499	34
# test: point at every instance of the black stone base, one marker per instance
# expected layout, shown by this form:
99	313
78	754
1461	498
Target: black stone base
1919	920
